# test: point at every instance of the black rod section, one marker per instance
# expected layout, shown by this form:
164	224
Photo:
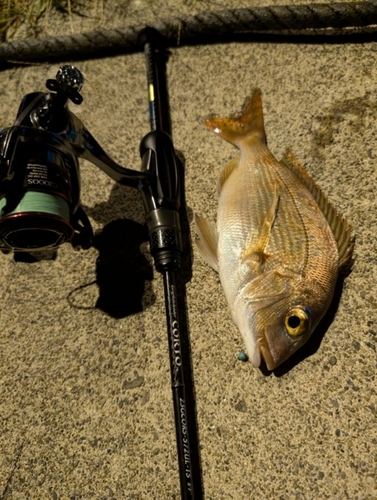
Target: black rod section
161	194
178	388
158	101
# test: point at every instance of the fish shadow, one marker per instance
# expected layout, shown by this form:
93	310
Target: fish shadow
315	340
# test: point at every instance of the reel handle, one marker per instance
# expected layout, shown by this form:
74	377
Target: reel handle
53	114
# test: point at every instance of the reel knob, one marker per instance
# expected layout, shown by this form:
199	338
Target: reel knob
69	81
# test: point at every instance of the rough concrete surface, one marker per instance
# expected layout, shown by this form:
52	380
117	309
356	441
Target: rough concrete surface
85	397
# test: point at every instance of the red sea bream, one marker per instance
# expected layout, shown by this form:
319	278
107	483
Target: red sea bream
278	245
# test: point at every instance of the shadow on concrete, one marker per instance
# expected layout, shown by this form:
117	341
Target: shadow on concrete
124	274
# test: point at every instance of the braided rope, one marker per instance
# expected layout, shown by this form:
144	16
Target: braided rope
185	30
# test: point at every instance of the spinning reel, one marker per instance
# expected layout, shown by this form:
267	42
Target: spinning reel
40	177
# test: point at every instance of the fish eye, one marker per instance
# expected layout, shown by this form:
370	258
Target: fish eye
296	322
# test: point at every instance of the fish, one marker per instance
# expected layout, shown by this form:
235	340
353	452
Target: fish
278	245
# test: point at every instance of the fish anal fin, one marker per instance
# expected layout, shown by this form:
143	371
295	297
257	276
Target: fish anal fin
339	225
249	125
207	243
226	173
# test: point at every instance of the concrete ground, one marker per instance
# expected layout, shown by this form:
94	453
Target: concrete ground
85	405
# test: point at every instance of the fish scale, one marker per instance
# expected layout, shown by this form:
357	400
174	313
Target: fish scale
289	247
274	249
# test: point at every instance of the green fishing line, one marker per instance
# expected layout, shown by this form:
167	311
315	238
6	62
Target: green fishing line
35	201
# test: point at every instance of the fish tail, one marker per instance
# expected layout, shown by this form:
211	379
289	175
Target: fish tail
249	126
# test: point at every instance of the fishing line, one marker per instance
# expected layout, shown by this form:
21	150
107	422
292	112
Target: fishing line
339	22
34	201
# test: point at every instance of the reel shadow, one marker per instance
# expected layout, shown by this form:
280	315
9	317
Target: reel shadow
124	274
32	257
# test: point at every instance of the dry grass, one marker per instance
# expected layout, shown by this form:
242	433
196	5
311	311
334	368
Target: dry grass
29	13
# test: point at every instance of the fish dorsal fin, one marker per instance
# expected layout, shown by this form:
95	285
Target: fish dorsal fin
226	173
248	126
341	229
207	243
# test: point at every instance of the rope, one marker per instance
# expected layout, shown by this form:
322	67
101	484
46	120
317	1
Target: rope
205	26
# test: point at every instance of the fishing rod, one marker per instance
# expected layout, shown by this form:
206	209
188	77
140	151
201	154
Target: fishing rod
40	208
162	199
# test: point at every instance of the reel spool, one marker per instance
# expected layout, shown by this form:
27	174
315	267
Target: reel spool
39	172
40	190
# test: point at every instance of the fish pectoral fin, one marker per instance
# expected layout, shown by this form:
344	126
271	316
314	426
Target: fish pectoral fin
226	173
339	225
255	252
207	243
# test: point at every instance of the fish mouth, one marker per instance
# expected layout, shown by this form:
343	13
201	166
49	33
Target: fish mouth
265	353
